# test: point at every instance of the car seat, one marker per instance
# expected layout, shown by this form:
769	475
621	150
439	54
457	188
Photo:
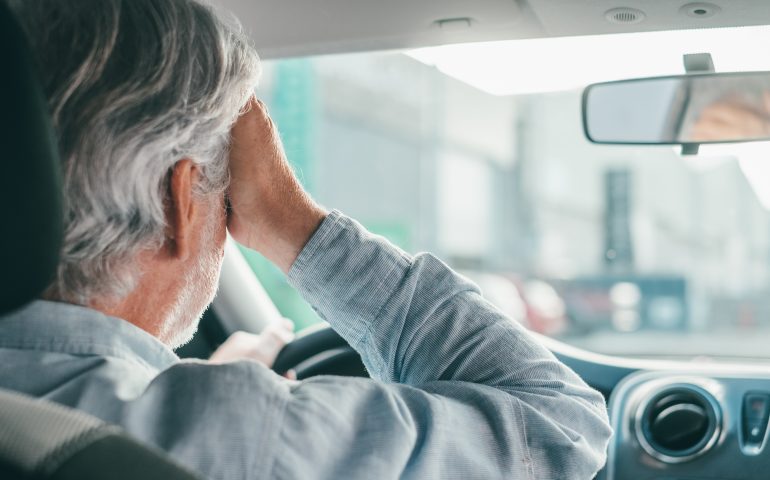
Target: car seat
39	439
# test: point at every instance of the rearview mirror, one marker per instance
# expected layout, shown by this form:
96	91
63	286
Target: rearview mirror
687	109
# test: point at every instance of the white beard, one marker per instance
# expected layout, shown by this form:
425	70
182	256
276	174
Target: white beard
199	289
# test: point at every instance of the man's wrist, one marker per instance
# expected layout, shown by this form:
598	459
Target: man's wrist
281	236
297	231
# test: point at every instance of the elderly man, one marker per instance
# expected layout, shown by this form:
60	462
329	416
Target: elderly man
163	149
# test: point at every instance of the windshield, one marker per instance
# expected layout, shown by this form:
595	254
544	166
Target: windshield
634	251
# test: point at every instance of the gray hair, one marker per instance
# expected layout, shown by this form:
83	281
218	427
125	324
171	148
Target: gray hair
133	87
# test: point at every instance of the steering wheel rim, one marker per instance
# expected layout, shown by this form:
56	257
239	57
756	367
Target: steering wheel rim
319	352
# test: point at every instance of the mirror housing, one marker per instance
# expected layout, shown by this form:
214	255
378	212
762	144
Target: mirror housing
684	110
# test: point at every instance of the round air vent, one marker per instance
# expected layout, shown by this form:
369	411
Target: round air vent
700	10
624	16
678	424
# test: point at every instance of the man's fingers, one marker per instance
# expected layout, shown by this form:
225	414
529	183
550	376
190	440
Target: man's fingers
262	348
282	331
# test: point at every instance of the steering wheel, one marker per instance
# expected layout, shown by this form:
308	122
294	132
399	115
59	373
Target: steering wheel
319	352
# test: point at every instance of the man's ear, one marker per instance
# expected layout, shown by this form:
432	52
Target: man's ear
180	208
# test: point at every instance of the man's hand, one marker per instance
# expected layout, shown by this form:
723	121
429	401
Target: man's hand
732	119
262	348
269	210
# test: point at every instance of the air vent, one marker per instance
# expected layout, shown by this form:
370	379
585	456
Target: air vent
678	424
624	16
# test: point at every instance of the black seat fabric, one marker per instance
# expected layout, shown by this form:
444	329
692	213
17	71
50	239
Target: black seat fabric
30	184
42	440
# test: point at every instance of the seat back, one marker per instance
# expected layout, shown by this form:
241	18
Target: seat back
30	183
45	441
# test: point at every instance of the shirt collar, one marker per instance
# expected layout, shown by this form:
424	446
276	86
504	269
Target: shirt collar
72	329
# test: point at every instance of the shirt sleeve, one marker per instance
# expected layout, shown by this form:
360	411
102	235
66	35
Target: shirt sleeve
459	390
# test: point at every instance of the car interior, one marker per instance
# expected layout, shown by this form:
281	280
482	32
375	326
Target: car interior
595	167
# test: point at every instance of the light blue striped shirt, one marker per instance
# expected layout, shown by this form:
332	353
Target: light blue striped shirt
458	390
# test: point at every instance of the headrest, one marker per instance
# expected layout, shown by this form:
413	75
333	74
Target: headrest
30	180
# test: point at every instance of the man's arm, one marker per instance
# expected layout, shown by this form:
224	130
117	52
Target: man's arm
478	397
469	389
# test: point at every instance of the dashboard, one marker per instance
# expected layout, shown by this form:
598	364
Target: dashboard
688	425
680	420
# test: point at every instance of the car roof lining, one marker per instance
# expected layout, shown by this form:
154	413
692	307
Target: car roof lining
285	28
